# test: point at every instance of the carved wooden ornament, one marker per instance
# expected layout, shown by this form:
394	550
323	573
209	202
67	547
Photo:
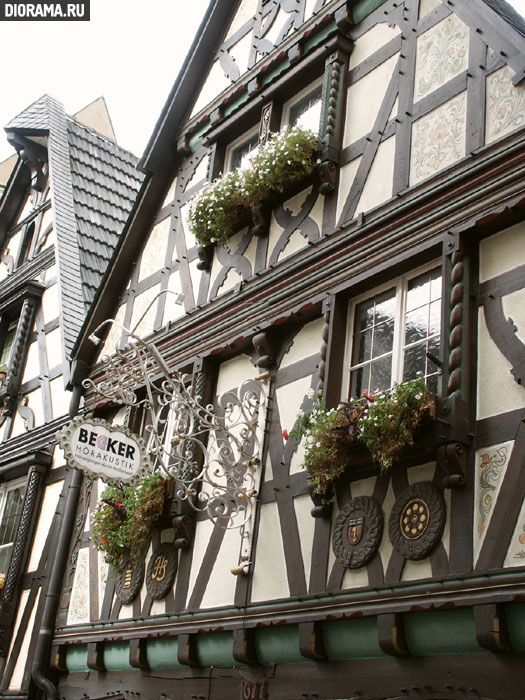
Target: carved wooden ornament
129	582
358	531
417	520
162	569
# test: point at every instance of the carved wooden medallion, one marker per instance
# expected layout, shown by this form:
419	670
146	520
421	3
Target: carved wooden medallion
417	520
358	531
161	572
129	582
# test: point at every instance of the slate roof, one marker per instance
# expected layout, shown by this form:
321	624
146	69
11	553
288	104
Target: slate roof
105	184
508	13
94	184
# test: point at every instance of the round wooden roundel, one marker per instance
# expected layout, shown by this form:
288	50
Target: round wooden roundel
129	583
357	532
417	520
161	571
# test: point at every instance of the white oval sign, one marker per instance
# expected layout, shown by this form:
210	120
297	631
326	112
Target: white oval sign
111	452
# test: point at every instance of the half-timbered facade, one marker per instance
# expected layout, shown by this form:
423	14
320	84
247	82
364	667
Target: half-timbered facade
403	253
62	208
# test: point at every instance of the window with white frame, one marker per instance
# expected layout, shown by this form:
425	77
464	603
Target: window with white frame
241	151
304	109
395	333
11	503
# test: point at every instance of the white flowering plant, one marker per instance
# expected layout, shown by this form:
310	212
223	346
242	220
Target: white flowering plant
219	209
384	423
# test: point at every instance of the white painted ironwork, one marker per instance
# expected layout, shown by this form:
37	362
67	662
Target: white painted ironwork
212	452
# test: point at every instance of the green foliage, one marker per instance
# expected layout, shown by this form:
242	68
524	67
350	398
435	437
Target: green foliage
124	517
391	419
384	423
220	207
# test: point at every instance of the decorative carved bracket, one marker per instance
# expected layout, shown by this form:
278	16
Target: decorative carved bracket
205	253
328	177
34	156
264	348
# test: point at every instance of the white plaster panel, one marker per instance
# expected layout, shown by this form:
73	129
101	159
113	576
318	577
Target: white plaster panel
203	530
269	574
171	309
355	578
497	390
426	6
103	571
346	178
28	208
306	525
363	487
126	612
309	9
514	308
78	611
195	276
51	274
231	280
4	270
274	234
364	100
18	673
154	253
423	472
220	587
21	607
114	334
32	368
442	54
240	52
170	195
184	212
158	607
385	548
438	139
199	174
272	35
305	344
214	84
50	306
372	40
394	110
295	242
13	245
45	518
54	348
505	105
491	466
233	372
516	552
60	398
251	252
378	185
502	252
245	12
289	399
59	458
141	303
416	569
35	404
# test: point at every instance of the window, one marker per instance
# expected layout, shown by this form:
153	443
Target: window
395	334
304	110
11	503
241	151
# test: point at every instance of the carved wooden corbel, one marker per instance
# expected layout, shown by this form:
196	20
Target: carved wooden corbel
205	253
34	156
262	344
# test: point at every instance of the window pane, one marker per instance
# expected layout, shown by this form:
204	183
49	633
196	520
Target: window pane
433	349
5	556
362	347
383	338
416	325
385	305
364	315
242	153
12	509
435	284
381	374
435	318
415	361
306	112
418	291
359	380
432	383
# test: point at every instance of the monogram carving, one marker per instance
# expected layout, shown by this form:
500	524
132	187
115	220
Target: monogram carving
130	580
358	531
417	520
162	569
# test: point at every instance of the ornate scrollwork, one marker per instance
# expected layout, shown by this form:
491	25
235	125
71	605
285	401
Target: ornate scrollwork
212	452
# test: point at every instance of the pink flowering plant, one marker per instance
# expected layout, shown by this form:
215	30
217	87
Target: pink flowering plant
221	206
384	423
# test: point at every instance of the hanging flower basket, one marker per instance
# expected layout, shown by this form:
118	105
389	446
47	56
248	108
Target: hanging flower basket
223	206
124	518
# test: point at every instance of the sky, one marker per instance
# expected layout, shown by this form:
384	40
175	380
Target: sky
130	52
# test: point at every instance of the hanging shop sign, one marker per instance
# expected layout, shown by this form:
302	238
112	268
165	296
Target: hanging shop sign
99	449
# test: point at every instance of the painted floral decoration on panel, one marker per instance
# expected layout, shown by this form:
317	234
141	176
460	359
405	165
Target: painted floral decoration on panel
219	209
124	517
384	423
